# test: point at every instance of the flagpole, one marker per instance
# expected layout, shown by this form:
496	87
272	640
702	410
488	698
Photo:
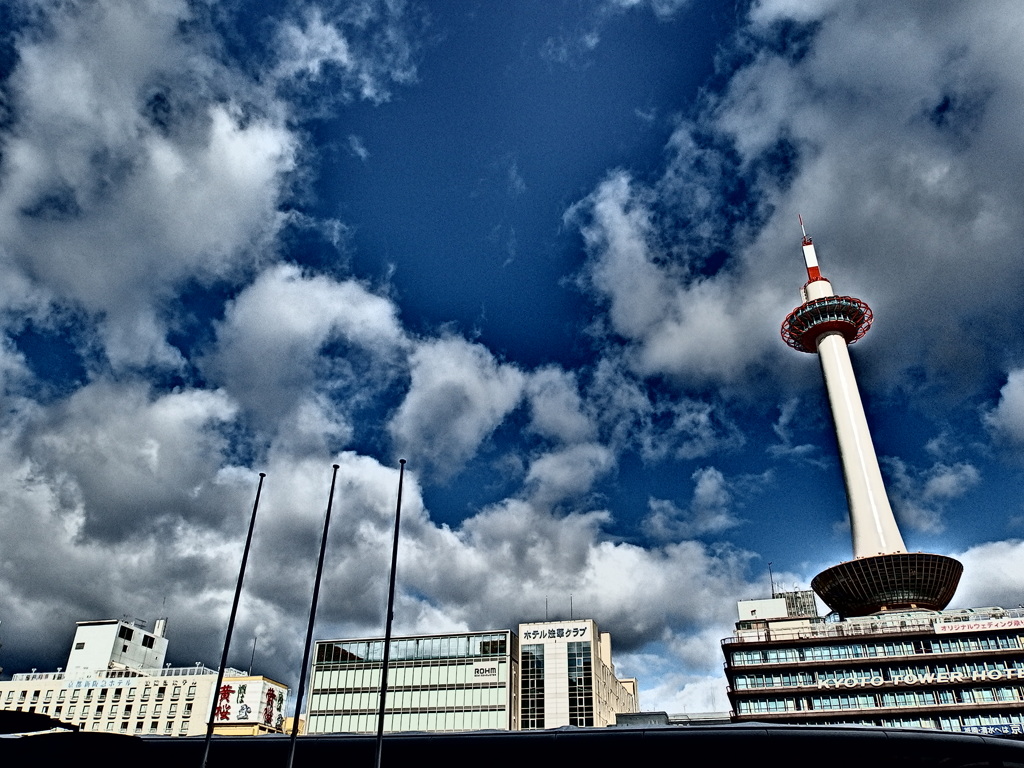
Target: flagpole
312	617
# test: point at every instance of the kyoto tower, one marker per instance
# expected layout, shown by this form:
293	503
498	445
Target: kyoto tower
883	576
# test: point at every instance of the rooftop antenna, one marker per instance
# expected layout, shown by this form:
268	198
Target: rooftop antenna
810	257
771	578
570	607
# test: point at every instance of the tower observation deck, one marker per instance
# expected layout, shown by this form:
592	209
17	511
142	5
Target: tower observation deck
883	575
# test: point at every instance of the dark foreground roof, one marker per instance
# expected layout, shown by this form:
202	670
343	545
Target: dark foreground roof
756	745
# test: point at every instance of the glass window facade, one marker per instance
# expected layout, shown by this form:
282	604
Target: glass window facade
532	671
581	684
435	683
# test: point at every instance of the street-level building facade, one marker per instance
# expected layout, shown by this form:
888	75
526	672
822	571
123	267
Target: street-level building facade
452	682
954	670
117	696
568	677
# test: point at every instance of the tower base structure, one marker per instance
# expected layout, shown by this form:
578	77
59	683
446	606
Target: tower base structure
899	581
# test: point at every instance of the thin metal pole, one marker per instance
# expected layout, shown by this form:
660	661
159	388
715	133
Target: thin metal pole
231	623
312	618
253	657
388	620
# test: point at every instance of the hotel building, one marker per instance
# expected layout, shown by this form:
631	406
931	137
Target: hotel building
953	670
116	681
568	676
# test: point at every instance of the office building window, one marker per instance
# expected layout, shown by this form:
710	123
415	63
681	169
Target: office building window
581	684
531	673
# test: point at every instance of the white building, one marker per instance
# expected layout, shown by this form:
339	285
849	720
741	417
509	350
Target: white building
116	681
568	677
455	682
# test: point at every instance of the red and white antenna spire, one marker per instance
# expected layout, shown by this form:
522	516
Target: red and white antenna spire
810	257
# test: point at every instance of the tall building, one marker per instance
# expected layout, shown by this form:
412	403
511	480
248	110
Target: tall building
116	681
560	673
889	654
568	677
455	682
883	575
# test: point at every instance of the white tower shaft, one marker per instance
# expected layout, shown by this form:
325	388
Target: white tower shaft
871	519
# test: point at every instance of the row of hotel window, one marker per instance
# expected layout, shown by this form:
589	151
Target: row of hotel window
399	699
881	700
461	674
409	649
799	679
101	694
71	711
955	724
140	727
870	650
411	721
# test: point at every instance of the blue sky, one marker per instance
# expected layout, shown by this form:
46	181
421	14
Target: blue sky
542	251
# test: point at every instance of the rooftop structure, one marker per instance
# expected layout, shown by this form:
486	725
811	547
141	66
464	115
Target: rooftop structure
883	576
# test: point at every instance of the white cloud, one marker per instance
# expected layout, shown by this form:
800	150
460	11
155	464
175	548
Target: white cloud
556	409
358	148
1007	418
458	396
126	461
567	472
677	693
678	323
270	347
660	426
709	511
992	575
919	497
134	161
788	412
363	49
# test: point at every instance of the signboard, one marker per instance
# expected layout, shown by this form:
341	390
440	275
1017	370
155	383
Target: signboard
113	682
250	700
485	671
929	678
994	730
565	632
984	625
